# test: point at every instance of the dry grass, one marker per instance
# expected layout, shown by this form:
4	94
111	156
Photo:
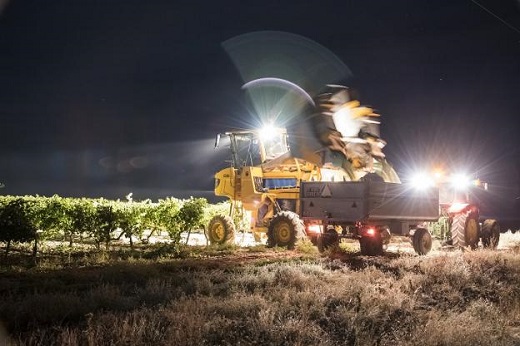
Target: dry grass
230	296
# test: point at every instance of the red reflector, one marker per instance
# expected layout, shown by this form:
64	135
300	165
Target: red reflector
370	232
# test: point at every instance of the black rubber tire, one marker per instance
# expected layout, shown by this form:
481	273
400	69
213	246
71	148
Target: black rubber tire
327	240
221	230
422	241
490	234
371	246
285	229
465	230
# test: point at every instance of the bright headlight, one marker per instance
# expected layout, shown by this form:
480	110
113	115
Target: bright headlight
460	181
421	181
268	132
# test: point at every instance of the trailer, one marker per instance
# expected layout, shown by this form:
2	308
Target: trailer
370	211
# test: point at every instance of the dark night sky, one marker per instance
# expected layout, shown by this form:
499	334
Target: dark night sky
103	98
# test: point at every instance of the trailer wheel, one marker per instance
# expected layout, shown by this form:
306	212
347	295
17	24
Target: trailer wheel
329	239
371	245
464	230
221	230
285	228
422	241
490	233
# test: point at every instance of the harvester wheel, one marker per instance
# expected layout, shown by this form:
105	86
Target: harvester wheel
371	245
490	233
465	230
285	228
221	230
422	241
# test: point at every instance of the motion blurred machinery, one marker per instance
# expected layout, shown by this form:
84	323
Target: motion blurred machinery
324	176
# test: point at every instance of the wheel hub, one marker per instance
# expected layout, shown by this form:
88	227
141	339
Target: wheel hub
283	233
218	232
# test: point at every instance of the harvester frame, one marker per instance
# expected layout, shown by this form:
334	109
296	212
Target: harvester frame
273	181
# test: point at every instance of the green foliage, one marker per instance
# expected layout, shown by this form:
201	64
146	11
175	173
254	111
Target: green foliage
100	220
167	211
150	220
16	224
211	210
106	222
191	214
305	246
240	217
82	216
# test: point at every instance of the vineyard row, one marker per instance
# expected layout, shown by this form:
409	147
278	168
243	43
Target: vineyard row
35	218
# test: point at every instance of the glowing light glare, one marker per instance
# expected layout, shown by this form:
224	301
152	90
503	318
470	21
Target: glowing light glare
421	181
346	123
276	99
438	174
268	132
460	181
314	228
371	232
457	207
282	83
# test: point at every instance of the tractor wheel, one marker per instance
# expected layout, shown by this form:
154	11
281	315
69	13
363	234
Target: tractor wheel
221	230
490	233
422	241
284	229
371	245
465	230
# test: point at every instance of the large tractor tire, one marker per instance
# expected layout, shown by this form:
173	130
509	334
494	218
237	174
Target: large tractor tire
221	230
285	229
422	241
371	245
490	233
465	230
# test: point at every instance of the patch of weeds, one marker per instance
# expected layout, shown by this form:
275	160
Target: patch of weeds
164	250
257	248
305	246
278	249
99	257
348	247
515	248
219	250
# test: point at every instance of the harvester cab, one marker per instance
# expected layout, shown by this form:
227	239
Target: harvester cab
262	180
